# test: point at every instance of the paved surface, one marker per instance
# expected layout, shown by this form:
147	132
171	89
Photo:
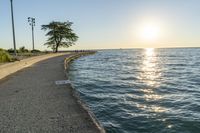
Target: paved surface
30	102
9	68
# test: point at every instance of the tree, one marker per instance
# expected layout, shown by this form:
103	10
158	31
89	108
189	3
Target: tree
60	35
23	50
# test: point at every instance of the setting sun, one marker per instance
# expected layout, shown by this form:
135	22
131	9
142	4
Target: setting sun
149	32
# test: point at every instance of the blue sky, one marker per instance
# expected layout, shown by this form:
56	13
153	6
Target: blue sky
105	23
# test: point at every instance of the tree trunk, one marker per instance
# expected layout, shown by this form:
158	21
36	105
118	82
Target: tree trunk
56	48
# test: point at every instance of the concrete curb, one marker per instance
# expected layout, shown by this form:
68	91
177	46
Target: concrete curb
82	104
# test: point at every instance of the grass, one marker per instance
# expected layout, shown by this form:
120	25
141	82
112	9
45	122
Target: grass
4	56
23	53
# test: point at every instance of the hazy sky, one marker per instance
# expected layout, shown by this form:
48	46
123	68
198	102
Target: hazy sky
105	23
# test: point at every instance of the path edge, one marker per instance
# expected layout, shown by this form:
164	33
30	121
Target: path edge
67	63
13	67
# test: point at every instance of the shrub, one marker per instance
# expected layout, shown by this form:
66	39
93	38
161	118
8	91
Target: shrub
10	50
4	56
46	52
23	50
35	51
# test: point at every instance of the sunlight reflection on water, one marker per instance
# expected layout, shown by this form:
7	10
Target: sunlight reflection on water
149	75
149	68
142	90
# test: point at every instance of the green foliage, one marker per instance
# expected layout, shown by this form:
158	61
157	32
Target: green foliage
60	35
10	50
46	52
35	51
4	56
23	50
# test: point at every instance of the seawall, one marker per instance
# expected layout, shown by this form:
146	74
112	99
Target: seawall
82	103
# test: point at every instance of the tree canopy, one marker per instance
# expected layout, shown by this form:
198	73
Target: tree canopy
60	34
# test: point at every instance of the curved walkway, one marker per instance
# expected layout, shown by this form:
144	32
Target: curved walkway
30	102
9	68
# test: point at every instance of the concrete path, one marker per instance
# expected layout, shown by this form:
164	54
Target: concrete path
30	102
9	68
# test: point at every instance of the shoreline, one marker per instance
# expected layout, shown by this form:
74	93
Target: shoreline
34	103
67	62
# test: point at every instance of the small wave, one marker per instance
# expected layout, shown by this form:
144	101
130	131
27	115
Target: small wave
130	92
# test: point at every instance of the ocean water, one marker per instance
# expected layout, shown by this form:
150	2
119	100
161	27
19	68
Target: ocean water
141	90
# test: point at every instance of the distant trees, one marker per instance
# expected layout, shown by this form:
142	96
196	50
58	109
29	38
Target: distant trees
23	50
60	34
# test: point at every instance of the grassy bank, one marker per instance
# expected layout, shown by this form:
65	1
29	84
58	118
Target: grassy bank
22	53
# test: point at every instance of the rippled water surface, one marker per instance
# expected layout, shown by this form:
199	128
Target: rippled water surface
141	90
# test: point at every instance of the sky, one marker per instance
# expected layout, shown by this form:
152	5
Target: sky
106	24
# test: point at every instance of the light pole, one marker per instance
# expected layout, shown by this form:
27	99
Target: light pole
13	27
32	24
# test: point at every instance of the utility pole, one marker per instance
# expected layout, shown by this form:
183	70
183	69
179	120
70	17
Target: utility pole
13	27
32	24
